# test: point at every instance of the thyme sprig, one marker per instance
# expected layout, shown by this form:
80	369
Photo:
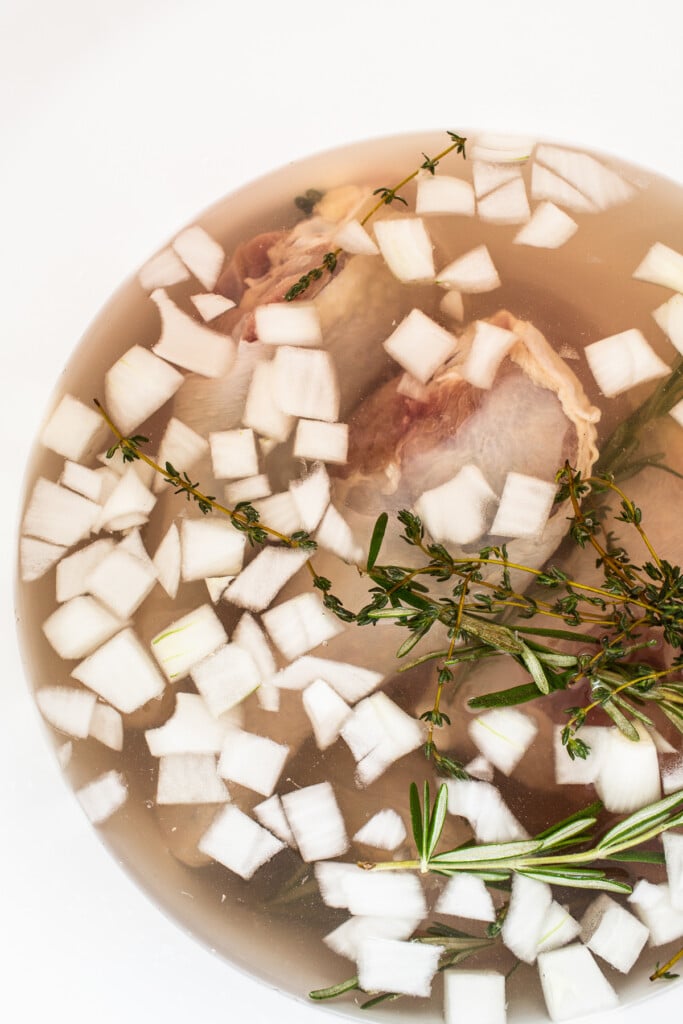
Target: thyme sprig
387	196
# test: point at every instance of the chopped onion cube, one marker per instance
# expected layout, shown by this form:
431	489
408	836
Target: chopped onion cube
226	678
298	625
549	186
106	726
252	761
559	928
67	709
672	776
483	989
191	729
529	904
353	238
487	176
239	843
71	429
406	248
346	939
121	672
460	510
279	512
390	965
261	411
335	535
628	776
210	547
162	271
497	148
378	733
331	877
216	586
573	984
167	561
326	710
189	779
420	345
490	345
181	446
121	582
472	273
265	576
249	489
352	682
603	186
311	496
187	641
37	557
326	442
653	905
503	736
673	853
78	626
578	771
662	265
384	830
288	323
549	228
440	193
506	205
137	385
250	637
87	482
103	796
413	388
57	515
621	361
130	498
669	317
233	454
189	344
525	505
479	768
201	254
272	816
210	306
483	807
466	896
452	305
612	933
306	383
316	822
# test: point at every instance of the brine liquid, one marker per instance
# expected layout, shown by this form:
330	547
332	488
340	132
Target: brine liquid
577	294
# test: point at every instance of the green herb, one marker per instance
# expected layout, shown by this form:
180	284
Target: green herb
664	973
308	200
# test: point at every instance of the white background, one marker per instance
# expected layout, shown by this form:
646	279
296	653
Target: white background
118	122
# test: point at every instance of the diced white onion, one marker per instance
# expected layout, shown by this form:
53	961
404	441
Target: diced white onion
669	317
167	561
483	989
130	499
311	495
239	843
57	515
288	323
353	238
189	344
265	576
346	939
384	830
191	729
87	482
189	779
549	228
261	411
479	768
326	710
71	428
490	344
36	557
612	933
578	771
546	185
559	928
299	624
216	586
503	736
210	306
233	454
440	193
136	386
628	773
506	205
487	176
466	896
162	271
306	383
573	984
279	512
460	510
226	678
331	877
201	254
496	148
661	265
210	547
420	345
181	446
352	682
525	505
249	489
324	442
316	822
603	186
529	903
390	965
672	775
378	733
80	625
406	248
122	673
103	796
413	388
106	725
621	361
452	305
121	582
483	807
472	273
187	641
250	637
252	761
335	535
67	709
653	905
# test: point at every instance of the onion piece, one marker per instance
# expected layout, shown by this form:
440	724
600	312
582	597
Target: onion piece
233	454
335	535
67	709
130	498
621	361
187	641
420	345
578	771
250	637
440	193
201	254
78	626
121	672
261	411
547	185
460	510
503	736
661	265
226	678
378	733
167	561
321	442
71	428
265	576
136	386
331	877
191	729
216	586
549	228
391	965
106	726
182	447
559	928
326	711
36	557
612	933
406	248
189	344
103	796
489	347
248	489
252	761
305	382
573	984
279	512
603	186
351	682
385	830
189	779
239	843
483	989
316	822
628	775
162	271
311	495
413	388
121	582
525	505
353	238
479	768
272	816
488	176
299	624
346	939
210	306
529	903
497	148
669	317
672	775
82	480
483	807
452	305
506	205
288	323
466	896
210	547
471	273
652	904
57	515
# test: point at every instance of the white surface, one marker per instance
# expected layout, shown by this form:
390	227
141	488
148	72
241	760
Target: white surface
118	123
